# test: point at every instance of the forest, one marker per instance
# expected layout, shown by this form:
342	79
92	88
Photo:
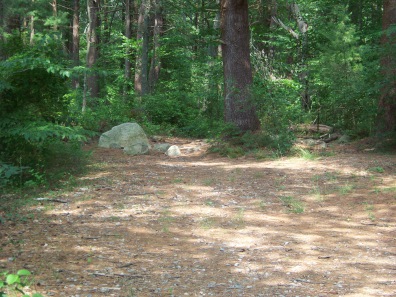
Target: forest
204	69
284	115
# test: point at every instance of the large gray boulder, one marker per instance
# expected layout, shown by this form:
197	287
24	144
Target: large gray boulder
129	136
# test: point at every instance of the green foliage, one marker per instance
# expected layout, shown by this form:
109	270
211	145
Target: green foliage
171	108
341	94
377	169
15	283
30	150
34	133
293	204
340	59
305	154
8	172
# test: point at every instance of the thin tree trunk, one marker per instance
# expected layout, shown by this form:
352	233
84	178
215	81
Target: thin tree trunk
106	22
76	40
304	78
212	103
55	13
155	66
128	36
2	18
387	102
239	108
2	27
269	18
92	80
32	28
141	68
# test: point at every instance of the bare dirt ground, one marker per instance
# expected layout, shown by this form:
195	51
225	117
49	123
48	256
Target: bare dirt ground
204	225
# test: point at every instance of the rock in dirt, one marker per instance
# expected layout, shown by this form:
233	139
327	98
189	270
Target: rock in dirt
162	147
344	139
173	151
128	136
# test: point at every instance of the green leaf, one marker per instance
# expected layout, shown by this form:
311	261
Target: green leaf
12	279
37	295
23	272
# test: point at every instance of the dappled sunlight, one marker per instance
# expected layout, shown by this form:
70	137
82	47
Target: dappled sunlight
225	228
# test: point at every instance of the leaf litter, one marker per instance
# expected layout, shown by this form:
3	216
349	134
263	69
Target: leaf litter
204	225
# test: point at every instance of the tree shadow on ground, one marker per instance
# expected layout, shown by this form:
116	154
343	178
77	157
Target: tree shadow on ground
203	226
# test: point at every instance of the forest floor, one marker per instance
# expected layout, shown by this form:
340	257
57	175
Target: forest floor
205	225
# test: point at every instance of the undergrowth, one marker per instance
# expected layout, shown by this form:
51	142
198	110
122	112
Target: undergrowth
233	143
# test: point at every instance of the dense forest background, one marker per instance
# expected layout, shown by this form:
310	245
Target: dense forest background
73	68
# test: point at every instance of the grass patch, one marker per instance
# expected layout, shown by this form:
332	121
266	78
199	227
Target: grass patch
258	175
238	221
346	189
318	194
166	220
369	208
306	154
293	204
377	169
389	190
209	182
262	205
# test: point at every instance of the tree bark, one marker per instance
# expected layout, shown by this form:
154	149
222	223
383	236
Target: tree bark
306	101
387	102
76	39
141	68
54	5
239	108
155	66
2	27
32	32
2	18
92	81
128	35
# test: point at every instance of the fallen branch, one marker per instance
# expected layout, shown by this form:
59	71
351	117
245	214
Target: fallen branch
51	200
116	274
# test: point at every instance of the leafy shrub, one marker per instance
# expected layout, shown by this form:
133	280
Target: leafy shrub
172	108
8	172
16	283
233	143
33	84
37	147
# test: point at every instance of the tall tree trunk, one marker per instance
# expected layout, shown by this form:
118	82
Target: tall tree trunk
268	49
106	22
2	27
76	39
239	108
141	67
2	18
155	66
92	80
304	78
54	5
32	28
387	102
128	36
212	104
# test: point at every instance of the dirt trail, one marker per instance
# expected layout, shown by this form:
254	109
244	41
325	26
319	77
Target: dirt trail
201	225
